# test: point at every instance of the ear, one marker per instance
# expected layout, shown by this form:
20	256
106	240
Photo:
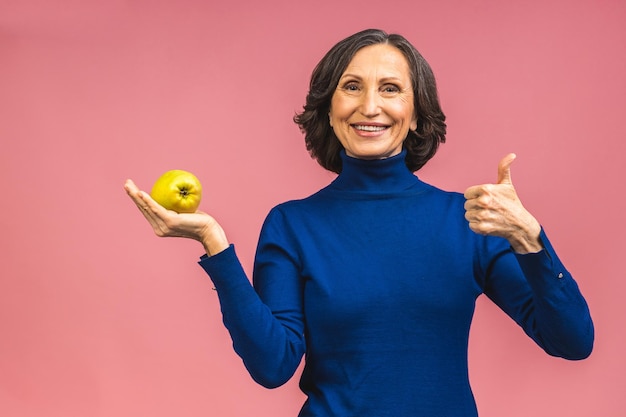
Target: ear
413	125
330	119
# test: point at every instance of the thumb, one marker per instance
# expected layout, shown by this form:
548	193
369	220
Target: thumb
504	169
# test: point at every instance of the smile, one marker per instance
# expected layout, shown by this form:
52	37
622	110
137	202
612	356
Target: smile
369	128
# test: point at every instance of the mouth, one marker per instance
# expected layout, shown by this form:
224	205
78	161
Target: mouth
370	127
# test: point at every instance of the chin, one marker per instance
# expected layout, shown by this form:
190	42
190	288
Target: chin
372	154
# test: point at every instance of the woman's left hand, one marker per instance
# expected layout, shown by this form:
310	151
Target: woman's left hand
496	210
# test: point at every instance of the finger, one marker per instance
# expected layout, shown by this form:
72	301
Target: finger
471	206
144	202
133	192
504	169
473	192
130	186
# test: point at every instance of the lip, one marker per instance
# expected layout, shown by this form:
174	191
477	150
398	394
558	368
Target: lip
370	128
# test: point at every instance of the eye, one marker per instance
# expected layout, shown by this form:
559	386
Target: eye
351	86
390	88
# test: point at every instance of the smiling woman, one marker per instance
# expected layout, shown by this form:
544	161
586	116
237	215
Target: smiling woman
374	278
402	68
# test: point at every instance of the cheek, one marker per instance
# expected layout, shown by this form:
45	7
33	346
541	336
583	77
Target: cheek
341	108
401	110
410	117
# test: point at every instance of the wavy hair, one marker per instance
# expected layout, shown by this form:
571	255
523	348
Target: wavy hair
421	144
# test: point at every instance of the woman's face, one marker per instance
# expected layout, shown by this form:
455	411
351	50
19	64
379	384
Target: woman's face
372	110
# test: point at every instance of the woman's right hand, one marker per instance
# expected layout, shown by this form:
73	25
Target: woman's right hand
167	223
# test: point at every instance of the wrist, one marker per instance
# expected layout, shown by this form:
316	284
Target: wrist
214	240
528	240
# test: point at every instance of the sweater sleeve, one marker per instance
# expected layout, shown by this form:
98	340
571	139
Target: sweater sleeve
538	293
266	323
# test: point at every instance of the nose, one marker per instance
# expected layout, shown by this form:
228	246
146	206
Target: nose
370	103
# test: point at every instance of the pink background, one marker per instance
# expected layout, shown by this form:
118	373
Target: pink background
98	317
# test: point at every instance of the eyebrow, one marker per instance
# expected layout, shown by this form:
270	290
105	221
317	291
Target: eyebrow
383	80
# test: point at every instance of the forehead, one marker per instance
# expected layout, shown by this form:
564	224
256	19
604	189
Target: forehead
383	59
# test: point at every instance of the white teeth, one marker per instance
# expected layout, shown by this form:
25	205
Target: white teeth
370	128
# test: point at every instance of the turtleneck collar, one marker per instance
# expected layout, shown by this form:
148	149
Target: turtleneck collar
376	175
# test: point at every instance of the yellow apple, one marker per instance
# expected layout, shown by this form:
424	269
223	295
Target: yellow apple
178	190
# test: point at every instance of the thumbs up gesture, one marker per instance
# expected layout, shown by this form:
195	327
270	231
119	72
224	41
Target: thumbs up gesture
496	210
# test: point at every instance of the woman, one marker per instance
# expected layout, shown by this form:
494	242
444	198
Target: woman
374	278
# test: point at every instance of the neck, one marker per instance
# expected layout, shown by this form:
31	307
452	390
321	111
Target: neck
389	174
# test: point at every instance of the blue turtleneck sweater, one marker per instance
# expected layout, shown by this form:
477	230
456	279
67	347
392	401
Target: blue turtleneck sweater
374	279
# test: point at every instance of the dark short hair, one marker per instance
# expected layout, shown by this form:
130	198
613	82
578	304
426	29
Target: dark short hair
321	142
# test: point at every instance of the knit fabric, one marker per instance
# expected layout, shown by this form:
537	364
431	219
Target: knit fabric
374	279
